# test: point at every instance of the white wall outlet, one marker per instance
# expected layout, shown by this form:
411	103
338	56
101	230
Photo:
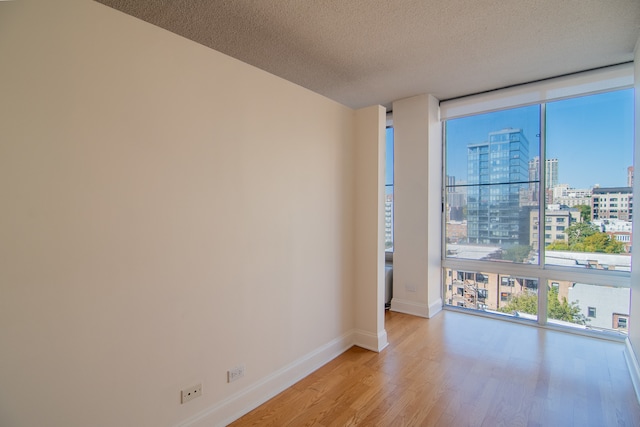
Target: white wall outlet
410	288
234	374
190	393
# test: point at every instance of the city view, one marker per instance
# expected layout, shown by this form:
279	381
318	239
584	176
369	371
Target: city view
565	198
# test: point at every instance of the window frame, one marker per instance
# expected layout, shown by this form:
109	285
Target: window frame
582	84
389	253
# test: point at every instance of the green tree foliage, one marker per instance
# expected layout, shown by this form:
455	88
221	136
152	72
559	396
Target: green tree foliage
585	237
516	253
558	245
525	303
579	231
559	308
602	242
585	212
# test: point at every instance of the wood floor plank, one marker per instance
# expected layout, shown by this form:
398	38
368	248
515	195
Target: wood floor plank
462	370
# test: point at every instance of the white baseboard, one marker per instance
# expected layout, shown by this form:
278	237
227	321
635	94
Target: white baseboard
435	308
416	308
409	307
370	341
235	406
634	367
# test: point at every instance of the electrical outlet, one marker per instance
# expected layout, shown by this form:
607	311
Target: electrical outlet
190	393
234	374
410	288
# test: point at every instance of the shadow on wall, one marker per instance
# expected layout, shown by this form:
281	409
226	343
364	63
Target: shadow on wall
388	285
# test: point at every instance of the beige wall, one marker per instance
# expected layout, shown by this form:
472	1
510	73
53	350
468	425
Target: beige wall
167	213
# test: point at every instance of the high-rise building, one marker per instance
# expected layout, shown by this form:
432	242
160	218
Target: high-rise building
551	173
551	178
456	199
534	169
494	213
532	194
388	221
630	176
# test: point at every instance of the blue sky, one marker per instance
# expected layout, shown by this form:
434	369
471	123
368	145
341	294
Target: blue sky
602	127
592	137
389	158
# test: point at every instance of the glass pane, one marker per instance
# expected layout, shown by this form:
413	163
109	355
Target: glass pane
492	186
589	170
492	292
388	192
588	306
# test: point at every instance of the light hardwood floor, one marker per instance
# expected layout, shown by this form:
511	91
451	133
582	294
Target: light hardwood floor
462	370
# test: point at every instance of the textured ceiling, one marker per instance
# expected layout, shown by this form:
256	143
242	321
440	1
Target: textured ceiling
365	52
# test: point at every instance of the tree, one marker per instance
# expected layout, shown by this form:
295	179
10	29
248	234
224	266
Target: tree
614	246
516	253
558	245
602	242
585	212
579	231
559	309
526	302
586	237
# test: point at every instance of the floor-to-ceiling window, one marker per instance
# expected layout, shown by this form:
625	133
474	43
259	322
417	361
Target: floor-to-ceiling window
388	192
538	203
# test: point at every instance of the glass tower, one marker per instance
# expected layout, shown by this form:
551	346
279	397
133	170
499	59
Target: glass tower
551	173
498	174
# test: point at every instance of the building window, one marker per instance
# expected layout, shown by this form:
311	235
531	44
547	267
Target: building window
507	281
490	166
497	181
493	172
591	312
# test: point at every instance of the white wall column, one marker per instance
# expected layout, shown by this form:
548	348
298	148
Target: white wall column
633	347
369	228
417	206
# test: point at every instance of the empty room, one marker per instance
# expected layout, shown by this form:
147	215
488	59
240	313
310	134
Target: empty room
321	213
